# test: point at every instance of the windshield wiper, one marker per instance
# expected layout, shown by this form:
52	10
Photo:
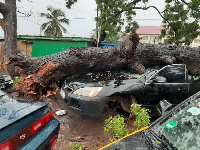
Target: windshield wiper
155	141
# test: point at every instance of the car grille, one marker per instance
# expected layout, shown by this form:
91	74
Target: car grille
74	104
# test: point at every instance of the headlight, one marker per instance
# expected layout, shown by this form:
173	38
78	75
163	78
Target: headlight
88	91
7	78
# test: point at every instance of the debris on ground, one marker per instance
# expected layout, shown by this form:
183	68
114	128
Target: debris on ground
60	112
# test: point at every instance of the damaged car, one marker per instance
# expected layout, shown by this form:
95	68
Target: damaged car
88	94
5	80
177	129
25	125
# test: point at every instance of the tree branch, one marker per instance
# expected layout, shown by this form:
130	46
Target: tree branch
131	3
4	9
145	8
185	2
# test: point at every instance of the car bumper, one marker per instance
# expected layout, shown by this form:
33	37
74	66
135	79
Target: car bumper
42	140
6	84
87	106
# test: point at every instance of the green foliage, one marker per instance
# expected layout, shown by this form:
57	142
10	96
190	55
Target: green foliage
142	116
54	26
69	3
115	126
77	146
15	80
113	16
182	25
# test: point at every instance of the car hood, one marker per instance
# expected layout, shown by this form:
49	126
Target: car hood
109	86
133	142
13	110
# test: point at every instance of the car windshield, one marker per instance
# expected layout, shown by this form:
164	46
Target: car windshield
150	73
3	97
182	130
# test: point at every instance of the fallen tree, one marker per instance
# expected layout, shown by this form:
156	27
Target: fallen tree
41	74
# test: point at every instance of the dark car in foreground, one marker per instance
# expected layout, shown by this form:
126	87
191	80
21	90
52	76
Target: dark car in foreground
25	125
88	94
177	129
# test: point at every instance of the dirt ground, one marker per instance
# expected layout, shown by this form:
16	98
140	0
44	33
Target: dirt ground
76	128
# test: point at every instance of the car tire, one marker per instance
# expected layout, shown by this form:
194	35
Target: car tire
127	102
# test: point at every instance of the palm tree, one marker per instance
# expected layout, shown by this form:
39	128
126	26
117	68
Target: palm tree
54	26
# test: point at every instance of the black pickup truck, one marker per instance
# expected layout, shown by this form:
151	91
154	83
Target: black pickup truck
88	94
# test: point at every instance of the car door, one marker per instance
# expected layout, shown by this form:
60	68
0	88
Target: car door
175	88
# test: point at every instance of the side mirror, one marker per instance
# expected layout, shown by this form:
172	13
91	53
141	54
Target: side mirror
160	79
164	106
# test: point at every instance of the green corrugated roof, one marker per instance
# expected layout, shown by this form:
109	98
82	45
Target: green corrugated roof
26	37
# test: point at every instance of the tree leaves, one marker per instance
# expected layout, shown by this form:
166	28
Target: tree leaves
115	126
54	27
182	26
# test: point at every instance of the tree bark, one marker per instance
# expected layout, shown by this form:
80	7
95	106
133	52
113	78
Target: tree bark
102	38
8	10
10	20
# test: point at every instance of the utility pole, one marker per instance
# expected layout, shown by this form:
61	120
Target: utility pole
97	32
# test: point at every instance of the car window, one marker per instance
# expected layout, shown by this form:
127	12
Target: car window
173	74
182	130
3	97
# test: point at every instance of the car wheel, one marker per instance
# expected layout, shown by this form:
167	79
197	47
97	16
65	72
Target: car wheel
127	102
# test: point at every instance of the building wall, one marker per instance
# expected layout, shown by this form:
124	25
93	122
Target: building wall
150	39
196	42
25	47
153	39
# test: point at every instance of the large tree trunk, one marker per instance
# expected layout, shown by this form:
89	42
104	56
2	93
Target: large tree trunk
102	38
8	10
44	72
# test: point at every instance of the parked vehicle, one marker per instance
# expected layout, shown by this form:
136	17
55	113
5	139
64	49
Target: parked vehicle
177	129
5	80
25	125
88	94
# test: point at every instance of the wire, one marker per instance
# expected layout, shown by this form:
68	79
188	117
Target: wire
32	21
27	14
72	8
147	19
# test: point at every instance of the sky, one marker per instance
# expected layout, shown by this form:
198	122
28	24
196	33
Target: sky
81	16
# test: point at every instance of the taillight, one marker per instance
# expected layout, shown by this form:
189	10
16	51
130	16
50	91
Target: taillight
49	116
41	122
38	125
53	141
6	146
